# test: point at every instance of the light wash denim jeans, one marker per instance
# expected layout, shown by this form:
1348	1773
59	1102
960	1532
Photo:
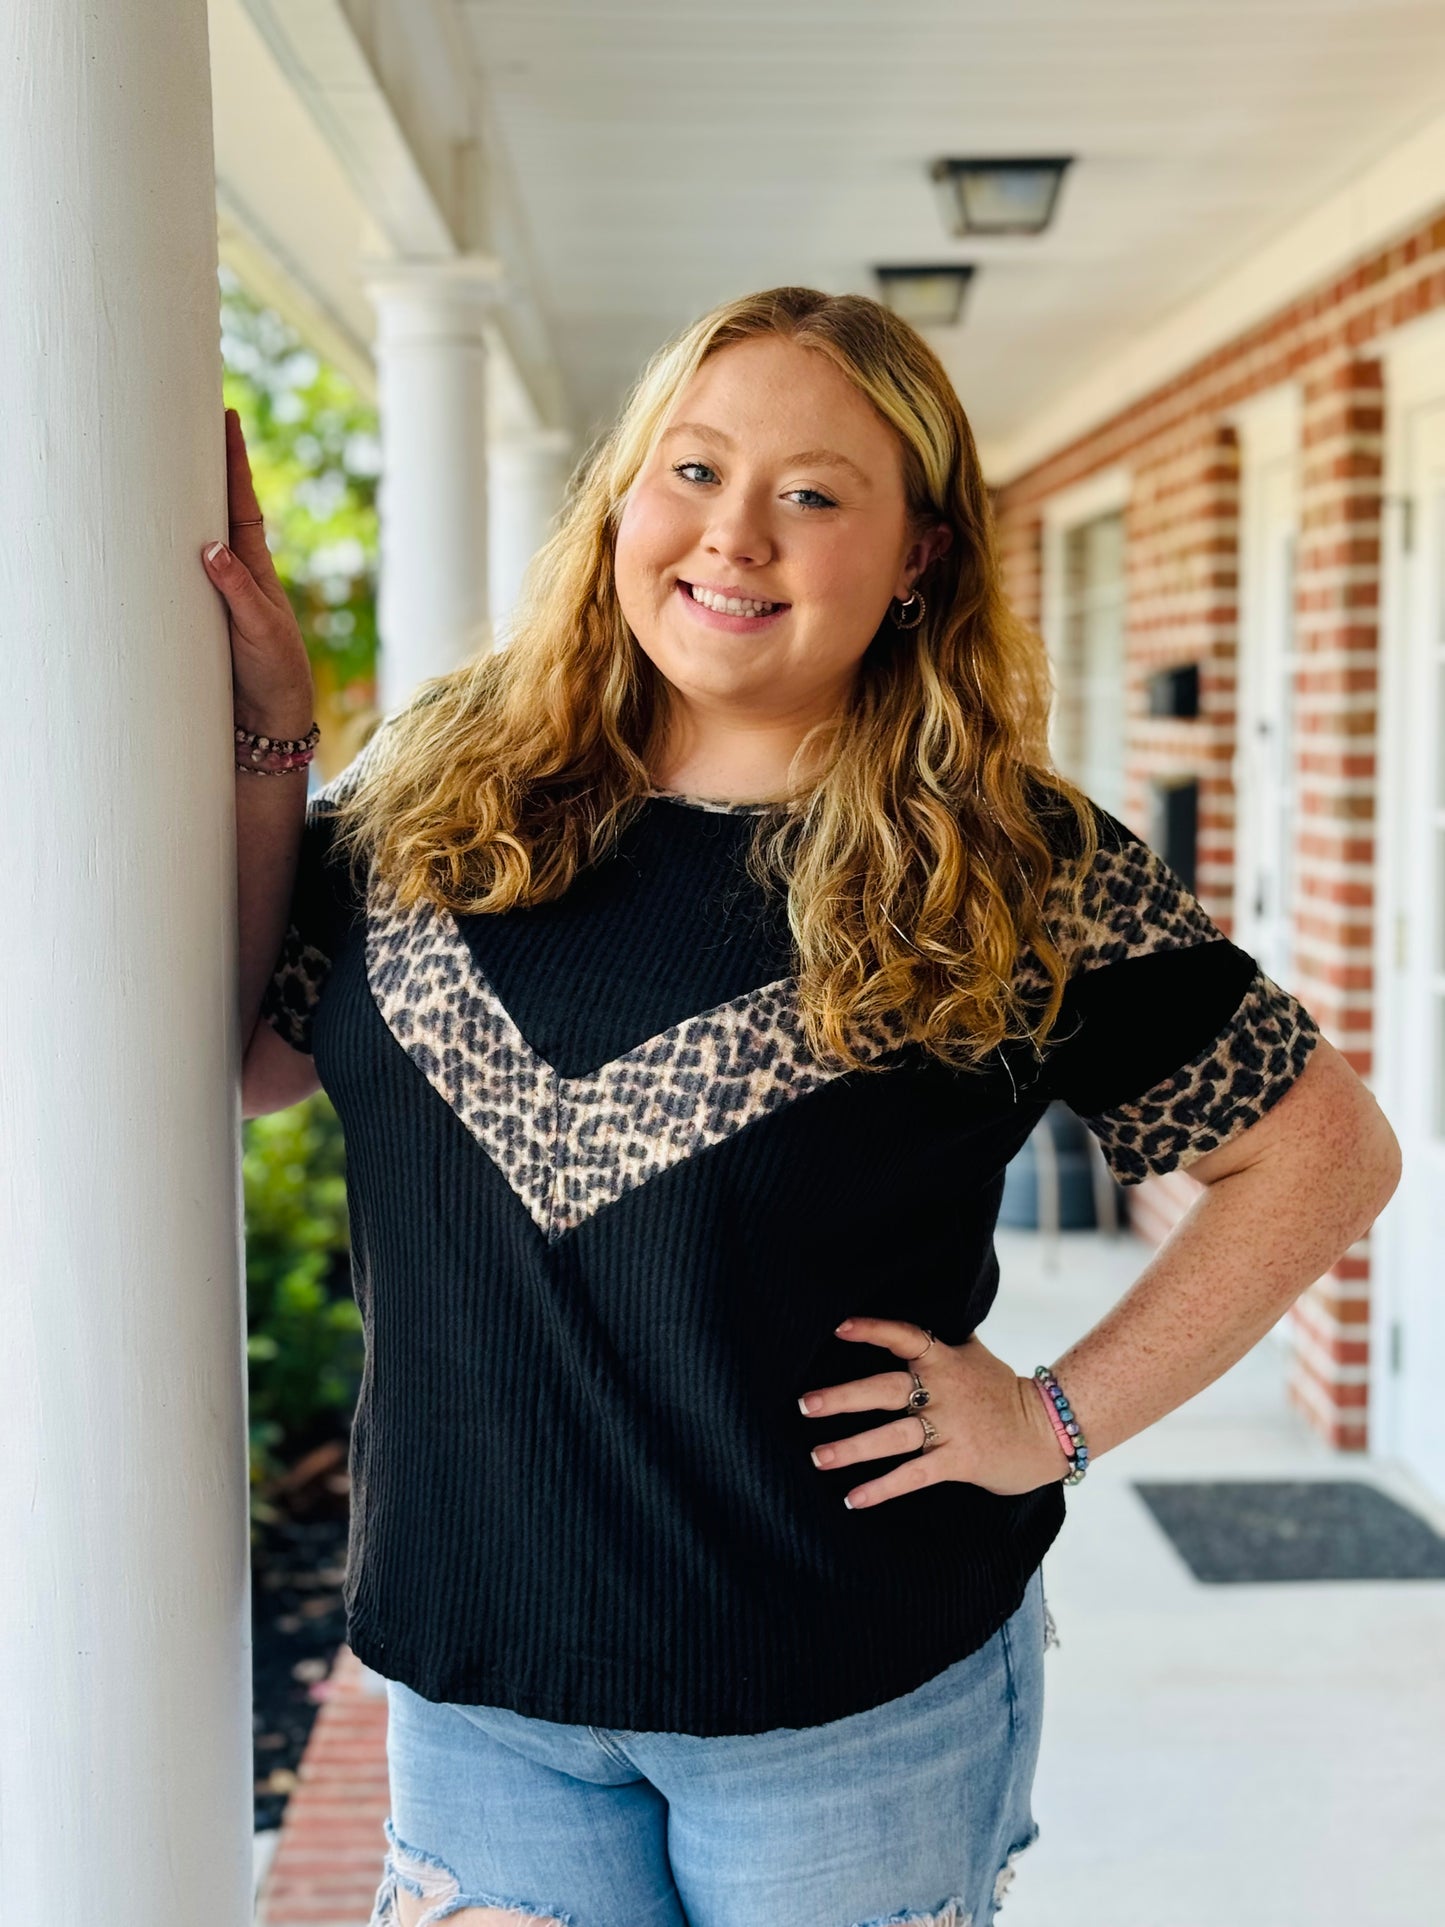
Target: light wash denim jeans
909	1812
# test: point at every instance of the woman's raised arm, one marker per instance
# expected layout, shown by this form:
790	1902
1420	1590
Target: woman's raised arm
273	694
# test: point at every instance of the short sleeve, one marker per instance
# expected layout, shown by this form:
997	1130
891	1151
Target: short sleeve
1172	1039
322	908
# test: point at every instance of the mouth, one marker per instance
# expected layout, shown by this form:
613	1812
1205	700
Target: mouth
737	614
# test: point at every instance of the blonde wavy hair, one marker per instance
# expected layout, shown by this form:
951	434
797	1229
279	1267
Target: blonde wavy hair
919	862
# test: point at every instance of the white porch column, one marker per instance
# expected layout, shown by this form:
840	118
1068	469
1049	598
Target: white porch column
125	1678
528	474
431	380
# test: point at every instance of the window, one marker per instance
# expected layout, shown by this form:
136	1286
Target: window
1090	711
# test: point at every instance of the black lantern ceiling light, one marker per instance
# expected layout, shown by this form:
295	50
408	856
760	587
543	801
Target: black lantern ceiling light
928	297
999	197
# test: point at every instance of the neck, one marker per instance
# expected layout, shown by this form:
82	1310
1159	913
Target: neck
743	763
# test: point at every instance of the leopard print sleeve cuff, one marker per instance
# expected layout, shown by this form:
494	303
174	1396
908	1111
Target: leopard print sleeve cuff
294	991
301	969
1220	1092
320	907
1174	1039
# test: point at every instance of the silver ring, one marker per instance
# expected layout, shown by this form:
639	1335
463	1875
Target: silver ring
930	1435
920	1394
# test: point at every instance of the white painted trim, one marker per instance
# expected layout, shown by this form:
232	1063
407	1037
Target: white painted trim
273	275
1101	494
396	96
329	68
1414	373
1414	370
1268	425
1397	192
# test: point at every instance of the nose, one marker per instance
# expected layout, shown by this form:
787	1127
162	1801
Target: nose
738	531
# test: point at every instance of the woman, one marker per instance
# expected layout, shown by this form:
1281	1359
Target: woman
685	976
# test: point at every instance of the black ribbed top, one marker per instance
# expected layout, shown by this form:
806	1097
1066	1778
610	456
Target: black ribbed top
605	1214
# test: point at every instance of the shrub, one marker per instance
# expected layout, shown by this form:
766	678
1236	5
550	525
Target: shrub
303	1328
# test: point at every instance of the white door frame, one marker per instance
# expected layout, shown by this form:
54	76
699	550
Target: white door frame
1268	428
1104	493
1414	373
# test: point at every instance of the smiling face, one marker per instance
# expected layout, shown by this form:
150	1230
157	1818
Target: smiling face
775	481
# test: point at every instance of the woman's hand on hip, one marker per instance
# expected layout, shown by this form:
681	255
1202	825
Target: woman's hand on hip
992	1428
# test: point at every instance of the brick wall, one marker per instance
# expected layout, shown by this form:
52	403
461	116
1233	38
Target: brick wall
1337	718
1181	538
1181	526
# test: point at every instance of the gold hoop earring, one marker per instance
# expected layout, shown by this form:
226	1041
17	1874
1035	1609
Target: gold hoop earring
917	597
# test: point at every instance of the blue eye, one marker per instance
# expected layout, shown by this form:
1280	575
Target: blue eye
822	501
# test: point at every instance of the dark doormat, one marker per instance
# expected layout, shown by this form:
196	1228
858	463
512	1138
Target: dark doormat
1240	1532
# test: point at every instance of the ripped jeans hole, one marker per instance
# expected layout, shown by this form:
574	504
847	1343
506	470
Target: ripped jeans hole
1051	1631
948	1913
1009	1869
432	1881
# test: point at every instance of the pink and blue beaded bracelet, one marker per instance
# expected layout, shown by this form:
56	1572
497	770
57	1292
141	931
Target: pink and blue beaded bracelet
1071	1436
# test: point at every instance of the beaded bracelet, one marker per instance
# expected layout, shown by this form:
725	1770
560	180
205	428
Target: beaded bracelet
1071	1435
276	769
288	753
282	743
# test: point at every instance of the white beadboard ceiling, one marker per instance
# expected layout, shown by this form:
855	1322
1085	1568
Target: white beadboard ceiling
672	153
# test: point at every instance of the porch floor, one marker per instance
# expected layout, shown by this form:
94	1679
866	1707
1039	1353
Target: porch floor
1248	1754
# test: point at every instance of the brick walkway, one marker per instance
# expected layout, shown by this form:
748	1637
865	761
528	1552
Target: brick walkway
328	1861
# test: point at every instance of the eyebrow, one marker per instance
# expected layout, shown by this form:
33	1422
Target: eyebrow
828	457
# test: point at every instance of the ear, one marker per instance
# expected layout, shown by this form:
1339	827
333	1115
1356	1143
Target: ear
935	542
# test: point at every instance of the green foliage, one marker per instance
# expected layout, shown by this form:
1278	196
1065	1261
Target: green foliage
304	1333
315	450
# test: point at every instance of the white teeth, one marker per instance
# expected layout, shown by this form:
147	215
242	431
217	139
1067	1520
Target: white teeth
731	605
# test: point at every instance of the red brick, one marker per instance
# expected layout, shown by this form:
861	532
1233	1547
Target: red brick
329	1859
